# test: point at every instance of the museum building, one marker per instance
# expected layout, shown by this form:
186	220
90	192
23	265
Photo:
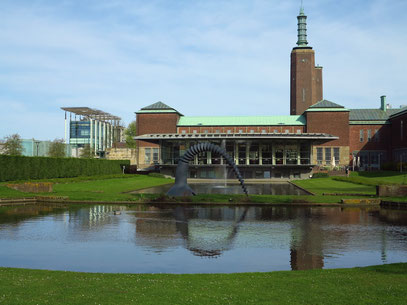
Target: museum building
317	132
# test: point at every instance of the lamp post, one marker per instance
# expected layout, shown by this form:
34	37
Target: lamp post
37	143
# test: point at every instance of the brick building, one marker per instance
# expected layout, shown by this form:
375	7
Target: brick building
317	132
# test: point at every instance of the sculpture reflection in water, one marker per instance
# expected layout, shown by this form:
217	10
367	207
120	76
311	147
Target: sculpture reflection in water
201	241
181	187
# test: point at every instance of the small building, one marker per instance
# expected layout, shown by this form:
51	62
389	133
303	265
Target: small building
96	128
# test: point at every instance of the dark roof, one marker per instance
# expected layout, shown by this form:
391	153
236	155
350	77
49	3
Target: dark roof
371	114
326	104
157	106
399	112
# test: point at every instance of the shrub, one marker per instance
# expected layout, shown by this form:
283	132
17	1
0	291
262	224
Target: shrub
14	168
156	175
320	175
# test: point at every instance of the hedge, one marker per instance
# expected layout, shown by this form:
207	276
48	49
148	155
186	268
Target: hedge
23	168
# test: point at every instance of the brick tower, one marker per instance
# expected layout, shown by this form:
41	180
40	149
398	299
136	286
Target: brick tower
306	78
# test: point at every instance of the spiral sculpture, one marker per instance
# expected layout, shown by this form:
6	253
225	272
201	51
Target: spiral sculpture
181	188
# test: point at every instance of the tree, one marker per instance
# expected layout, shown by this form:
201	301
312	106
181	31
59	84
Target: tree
13	145
130	132
57	149
87	152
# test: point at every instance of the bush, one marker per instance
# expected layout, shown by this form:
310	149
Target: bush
320	175
14	168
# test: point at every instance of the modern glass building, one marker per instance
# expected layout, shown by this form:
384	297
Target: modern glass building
96	128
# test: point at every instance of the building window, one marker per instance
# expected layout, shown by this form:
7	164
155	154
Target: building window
240	130
217	131
376	135
194	131
287	131
336	155
183	132
320	156
147	155
251	131
328	156
275	131
155	155
205	131
361	135
298	130
369	135
229	131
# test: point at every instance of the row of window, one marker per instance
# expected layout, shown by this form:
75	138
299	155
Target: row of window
328	155
263	131
375	137
151	155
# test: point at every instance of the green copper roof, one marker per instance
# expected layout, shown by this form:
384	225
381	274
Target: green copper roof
326	104
157	106
371	114
242	120
398	112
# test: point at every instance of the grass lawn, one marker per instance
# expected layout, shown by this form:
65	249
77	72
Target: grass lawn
103	188
329	185
384	284
375	178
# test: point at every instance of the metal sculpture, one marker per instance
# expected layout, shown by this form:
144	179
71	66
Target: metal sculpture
181	188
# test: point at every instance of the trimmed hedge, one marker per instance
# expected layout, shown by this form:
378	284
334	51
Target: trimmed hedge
24	168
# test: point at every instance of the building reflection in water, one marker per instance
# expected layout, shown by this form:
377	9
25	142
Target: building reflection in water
307	237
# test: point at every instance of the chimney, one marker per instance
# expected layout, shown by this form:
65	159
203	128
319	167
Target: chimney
383	103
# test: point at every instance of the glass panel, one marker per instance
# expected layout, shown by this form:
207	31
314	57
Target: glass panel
328	157
320	156
291	156
304	153
279	156
242	153
254	153
155	155
336	155
267	153
147	155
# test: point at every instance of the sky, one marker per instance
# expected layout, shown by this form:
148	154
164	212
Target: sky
201	57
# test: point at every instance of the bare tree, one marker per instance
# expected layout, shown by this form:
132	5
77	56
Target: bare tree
13	145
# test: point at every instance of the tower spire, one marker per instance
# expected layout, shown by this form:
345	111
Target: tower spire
302	28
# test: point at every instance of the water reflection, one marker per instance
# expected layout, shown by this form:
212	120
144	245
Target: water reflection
180	239
276	188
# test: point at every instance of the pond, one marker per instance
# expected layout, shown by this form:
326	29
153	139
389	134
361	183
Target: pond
199	239
276	188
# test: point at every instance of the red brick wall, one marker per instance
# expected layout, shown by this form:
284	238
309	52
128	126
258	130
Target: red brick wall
373	144
335	123
156	123
305	81
398	140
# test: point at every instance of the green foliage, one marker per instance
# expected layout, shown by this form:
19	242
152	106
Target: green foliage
130	132
87	152
13	145
385	284
24	168
320	175
57	149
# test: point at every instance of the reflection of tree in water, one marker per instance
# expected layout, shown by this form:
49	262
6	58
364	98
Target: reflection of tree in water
200	239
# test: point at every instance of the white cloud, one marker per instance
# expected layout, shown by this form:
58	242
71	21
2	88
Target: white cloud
201	57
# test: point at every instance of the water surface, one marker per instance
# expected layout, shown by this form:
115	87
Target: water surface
275	188
199	239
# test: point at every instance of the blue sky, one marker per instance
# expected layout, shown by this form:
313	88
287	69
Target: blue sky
209	57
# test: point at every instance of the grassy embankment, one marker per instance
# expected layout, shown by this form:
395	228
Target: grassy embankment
115	188
384	284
